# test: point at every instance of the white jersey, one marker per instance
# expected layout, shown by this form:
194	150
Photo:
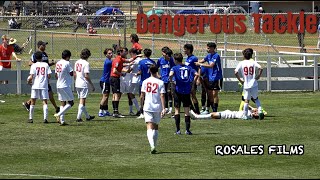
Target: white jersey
81	68
135	70
248	70
40	71
127	78
227	114
153	88
63	70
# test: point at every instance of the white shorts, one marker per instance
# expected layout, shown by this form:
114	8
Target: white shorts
82	92
134	88
153	117
39	94
252	92
125	86
65	94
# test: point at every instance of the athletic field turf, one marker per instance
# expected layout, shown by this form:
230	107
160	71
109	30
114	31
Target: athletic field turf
118	148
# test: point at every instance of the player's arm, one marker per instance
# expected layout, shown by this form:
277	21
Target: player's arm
203	64
162	97
238	77
15	56
115	71
259	71
87	77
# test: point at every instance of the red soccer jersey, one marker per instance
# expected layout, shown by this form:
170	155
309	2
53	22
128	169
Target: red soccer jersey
5	54
118	64
137	46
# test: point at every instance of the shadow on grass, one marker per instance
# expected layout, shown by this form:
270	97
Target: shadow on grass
177	152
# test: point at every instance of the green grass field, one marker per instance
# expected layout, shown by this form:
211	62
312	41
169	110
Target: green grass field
118	148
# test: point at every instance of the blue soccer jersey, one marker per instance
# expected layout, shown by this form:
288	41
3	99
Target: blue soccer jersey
184	76
214	73
45	58
165	67
144	68
106	71
190	62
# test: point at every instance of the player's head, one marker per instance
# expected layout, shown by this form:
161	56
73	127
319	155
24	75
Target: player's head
134	38
153	69
211	47
167	53
188	48
122	51
66	54
178	57
5	39
147	52
85	54
255	113
164	48
133	52
38	56
247	53
108	52
42	45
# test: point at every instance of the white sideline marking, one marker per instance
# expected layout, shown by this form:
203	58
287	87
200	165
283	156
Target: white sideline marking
35	175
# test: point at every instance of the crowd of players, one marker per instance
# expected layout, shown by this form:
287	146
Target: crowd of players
161	85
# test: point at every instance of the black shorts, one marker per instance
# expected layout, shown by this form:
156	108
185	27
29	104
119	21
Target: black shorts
105	87
184	98
49	88
115	84
215	85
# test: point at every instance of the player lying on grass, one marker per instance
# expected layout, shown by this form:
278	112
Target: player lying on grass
227	114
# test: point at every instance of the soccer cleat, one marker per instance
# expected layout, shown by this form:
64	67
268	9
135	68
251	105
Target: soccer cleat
153	151
30	121
26	106
107	114
178	133
90	118
101	115
204	112
138	113
79	120
264	112
141	116
45	121
57	117
63	124
118	115
132	113
193	115
188	133
58	110
261	115
170	111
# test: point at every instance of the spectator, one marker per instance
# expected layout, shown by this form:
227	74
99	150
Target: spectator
14	24
90	29
81	20
6	51
115	22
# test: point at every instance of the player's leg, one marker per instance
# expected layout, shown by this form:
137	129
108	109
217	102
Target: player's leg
177	104
35	94
254	95
152	120
170	98
195	103
186	104
52	99
246	96
44	96
132	92
141	105
64	95
213	115
130	103
166	97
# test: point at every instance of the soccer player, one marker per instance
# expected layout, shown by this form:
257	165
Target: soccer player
143	70
63	73
190	61
250	84
165	63
116	73
214	74
184	76
135	43
40	74
153	92
42	47
205	101
82	69
105	83
227	114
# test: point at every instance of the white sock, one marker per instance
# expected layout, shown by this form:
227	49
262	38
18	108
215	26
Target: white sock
258	104
31	111
155	137
64	109
136	104
45	111
79	111
170	108
245	109
203	116
207	108
84	109
130	107
150	137
61	118
101	111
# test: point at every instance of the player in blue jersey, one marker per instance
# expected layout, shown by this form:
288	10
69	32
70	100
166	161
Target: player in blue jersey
184	76
105	83
214	74
205	101
190	61
165	63
144	72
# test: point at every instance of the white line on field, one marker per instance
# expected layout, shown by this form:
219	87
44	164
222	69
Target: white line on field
36	175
